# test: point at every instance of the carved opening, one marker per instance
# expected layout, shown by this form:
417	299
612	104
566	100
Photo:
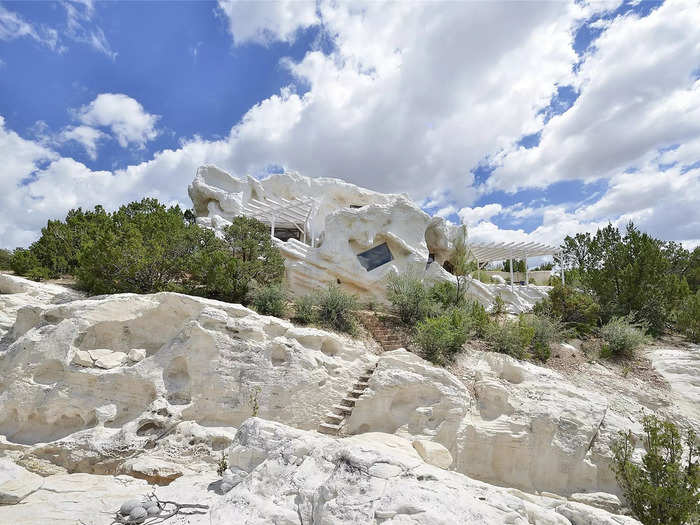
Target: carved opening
375	257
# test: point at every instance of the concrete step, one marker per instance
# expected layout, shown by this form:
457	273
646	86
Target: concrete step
327	428
342	408
334	418
349	401
357	393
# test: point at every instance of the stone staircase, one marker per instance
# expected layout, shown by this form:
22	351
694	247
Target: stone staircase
384	329
335	420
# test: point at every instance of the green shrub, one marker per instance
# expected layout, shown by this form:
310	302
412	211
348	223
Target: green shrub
664	489
22	261
623	336
577	309
304	309
547	330
38	273
479	319
440	338
269	300
446	294
498	307
409	298
510	337
5	259
336	309
688	317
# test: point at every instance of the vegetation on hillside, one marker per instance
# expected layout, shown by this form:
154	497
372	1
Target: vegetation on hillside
631	272
665	488
146	247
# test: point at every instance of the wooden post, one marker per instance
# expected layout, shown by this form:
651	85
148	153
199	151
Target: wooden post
527	274
511	273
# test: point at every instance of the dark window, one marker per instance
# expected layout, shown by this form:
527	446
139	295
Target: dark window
284	234
357	206
447	265
431	258
375	257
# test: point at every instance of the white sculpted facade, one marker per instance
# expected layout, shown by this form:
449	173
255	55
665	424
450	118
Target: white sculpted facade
330	231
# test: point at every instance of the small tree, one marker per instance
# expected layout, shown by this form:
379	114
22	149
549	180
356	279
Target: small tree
663	490
461	263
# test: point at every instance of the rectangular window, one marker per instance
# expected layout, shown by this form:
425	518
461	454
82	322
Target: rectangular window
375	257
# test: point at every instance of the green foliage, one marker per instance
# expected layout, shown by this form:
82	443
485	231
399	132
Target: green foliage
479	320
146	247
546	330
510	337
409	298
440	338
663	490
143	247
461	263
688	317
622	336
222	465
632	273
498	307
336	309
38	273
303	308
269	300
446	294
5	259
22	261
577	309
518	265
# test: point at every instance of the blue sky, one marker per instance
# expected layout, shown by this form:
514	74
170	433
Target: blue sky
526	121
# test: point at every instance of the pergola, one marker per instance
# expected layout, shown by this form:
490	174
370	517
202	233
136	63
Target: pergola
485	253
281	212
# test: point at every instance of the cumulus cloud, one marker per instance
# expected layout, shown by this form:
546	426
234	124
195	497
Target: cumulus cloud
87	136
413	96
123	115
474	215
639	92
267	22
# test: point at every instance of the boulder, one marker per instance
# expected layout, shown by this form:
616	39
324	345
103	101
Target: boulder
16	483
105	358
433	453
82	358
137	354
154	470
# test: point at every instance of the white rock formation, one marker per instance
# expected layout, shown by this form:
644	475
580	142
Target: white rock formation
681	368
346	220
16	292
205	360
304	477
170	415
504	421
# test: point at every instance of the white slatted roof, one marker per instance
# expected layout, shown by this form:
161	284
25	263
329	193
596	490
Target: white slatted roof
295	212
517	250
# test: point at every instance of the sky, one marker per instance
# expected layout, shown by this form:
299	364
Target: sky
527	121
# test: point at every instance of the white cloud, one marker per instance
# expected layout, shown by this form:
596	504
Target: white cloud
471	216
638	94
414	96
264	22
123	115
85	135
13	26
80	27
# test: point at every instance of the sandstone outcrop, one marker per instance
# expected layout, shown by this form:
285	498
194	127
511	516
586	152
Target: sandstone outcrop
205	359
75	436
303	477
